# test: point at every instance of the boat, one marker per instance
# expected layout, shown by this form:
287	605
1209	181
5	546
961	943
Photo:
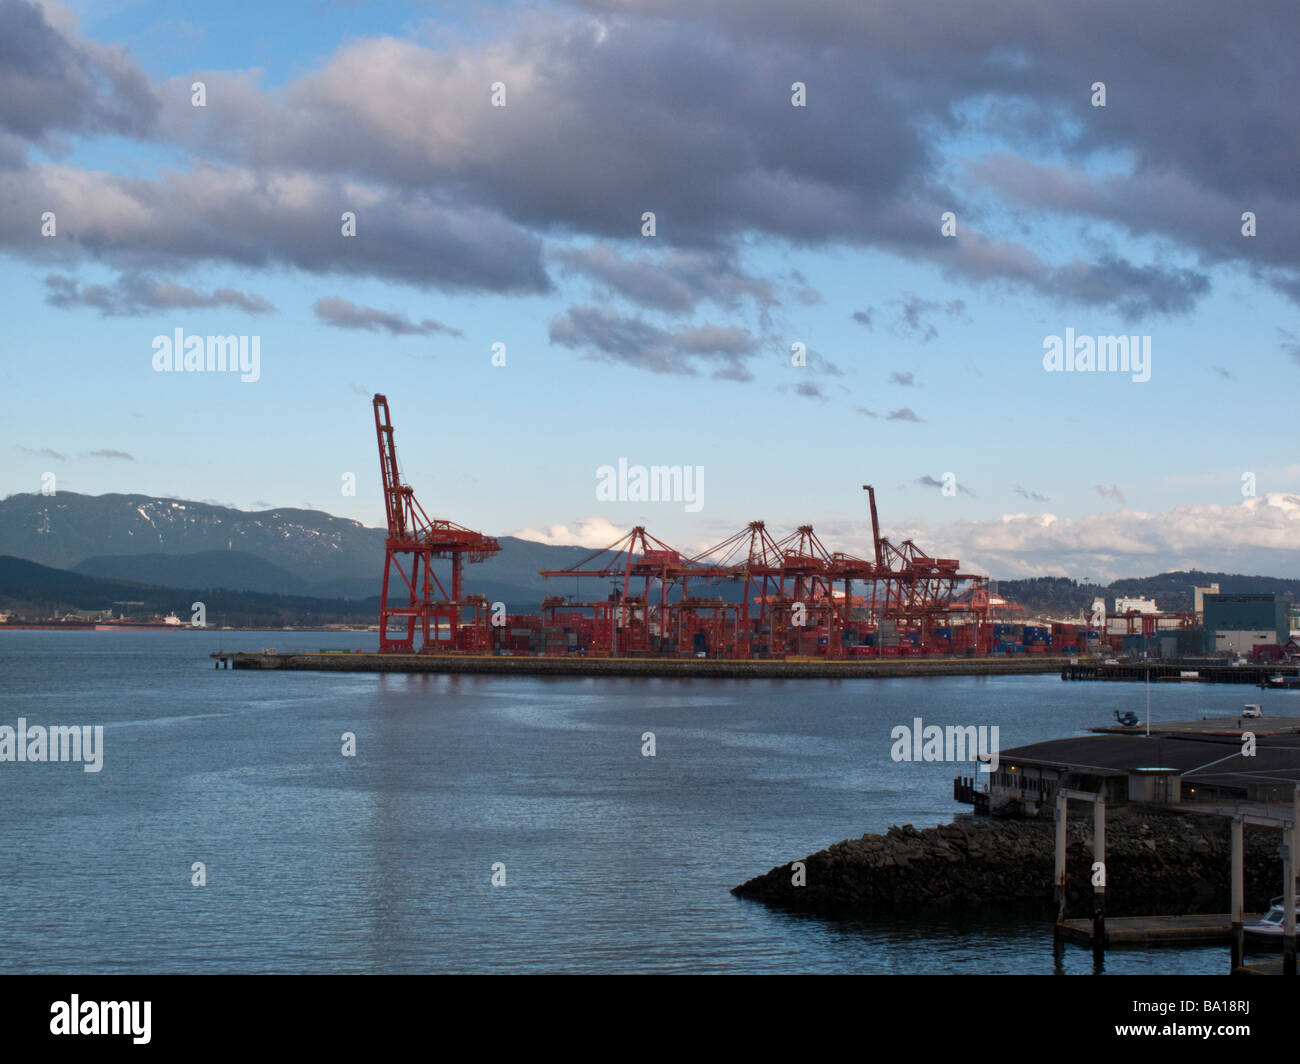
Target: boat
1278	682
170	622
1267	931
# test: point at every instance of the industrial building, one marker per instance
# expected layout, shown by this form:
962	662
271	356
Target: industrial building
1170	768
1237	624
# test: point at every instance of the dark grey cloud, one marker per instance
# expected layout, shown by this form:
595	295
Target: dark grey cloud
807	390
674	280
863	317
866	413
608	336
916	315
255	220
903	379
928	481
1223	373
53	81
905	413
132	296
1033	496
819	363
1111	492
344	315
44	452
1290	345
459	195
118	455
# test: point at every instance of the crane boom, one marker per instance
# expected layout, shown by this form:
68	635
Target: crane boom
412	544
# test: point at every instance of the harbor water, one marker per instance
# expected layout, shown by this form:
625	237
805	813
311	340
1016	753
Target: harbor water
605	859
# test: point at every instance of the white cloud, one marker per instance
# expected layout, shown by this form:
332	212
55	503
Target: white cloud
1259	535
591	532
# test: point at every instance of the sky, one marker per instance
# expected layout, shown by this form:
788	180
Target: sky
869	223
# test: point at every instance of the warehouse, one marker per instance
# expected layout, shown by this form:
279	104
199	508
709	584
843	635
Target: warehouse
1236	624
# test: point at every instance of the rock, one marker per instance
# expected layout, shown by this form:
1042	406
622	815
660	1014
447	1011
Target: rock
1156	862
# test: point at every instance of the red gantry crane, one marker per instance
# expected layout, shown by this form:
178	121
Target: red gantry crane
631	621
414	541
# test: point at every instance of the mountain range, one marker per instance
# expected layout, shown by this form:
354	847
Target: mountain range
92	550
184	544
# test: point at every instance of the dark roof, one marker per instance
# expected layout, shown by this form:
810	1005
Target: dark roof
1200	757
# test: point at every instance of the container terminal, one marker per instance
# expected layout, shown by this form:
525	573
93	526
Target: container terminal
751	598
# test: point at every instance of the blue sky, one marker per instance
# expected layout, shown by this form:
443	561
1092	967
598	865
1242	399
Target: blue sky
776	225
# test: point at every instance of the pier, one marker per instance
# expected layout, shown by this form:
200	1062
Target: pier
1215	928
788	668
1174	672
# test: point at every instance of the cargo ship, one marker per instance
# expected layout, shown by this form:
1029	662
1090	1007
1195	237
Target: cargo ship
170	622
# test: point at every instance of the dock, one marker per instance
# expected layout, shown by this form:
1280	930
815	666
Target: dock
1214	928
1174	672
713	668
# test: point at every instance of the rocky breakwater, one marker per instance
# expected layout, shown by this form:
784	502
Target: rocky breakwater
1156	863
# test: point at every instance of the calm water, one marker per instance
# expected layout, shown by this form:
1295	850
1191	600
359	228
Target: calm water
383	862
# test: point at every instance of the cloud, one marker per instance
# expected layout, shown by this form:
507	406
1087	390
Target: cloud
1253	536
54	81
1223	373
904	413
344	315
133	295
594	532
863	317
674	280
44	452
866	413
905	380
608	336
915	315
928	481
119	455
819	363
1111	492
1290	345
226	216
807	389
1033	496
461	196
